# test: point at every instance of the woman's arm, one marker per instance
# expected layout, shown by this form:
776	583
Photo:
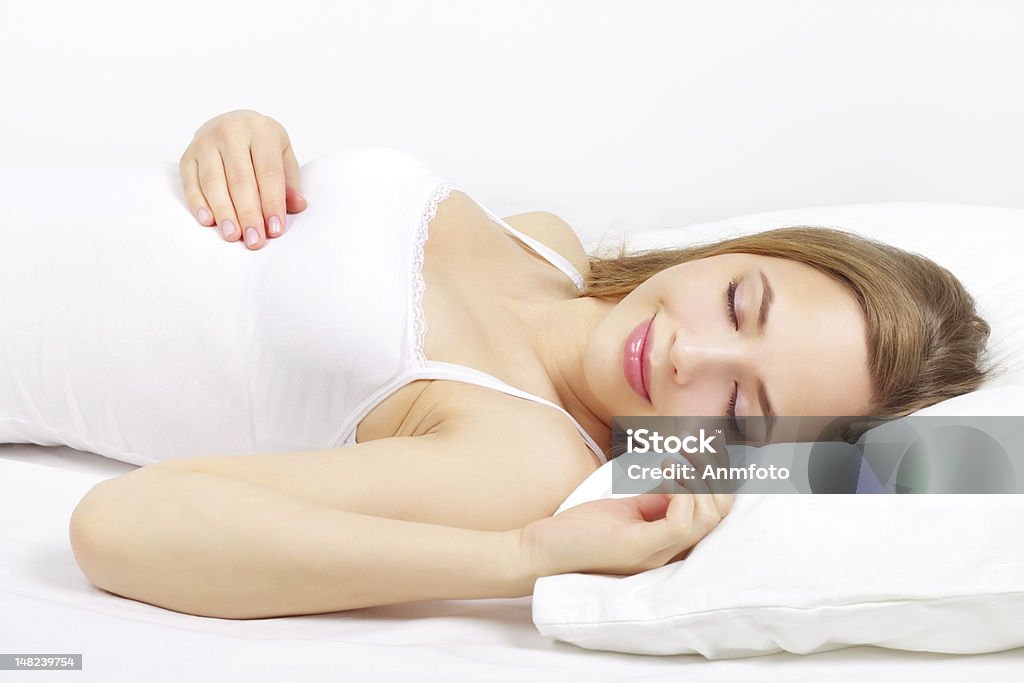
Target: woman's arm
389	520
214	546
461	512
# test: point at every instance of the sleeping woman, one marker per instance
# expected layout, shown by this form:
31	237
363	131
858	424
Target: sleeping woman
385	398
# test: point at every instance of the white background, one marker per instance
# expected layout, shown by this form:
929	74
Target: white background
624	115
631	114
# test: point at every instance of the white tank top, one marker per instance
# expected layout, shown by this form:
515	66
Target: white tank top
128	330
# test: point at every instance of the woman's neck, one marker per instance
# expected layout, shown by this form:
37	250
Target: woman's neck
559	332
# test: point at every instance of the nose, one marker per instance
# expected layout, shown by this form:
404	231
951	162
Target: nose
698	356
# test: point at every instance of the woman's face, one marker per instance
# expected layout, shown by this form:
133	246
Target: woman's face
811	358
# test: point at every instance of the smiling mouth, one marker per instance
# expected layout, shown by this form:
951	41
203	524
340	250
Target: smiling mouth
645	360
633	359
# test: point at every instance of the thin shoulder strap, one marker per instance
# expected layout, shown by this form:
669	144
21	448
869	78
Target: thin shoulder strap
464	373
546	252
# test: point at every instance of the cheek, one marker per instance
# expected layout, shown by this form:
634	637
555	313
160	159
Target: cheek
694	307
685	285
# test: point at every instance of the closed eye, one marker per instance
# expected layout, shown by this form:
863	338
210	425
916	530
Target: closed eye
730	305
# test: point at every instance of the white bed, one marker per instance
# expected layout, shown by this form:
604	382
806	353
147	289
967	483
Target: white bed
618	116
48	606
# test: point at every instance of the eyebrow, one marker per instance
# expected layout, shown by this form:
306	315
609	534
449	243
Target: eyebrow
767	297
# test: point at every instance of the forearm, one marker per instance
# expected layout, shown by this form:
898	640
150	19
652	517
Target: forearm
215	546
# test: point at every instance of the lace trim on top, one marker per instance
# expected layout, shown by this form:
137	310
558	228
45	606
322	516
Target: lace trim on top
418	285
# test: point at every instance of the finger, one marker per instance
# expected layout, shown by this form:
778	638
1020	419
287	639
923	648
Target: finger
270	179
188	168
705	516
652	506
214	187
724	502
716	489
692	524
245	193
701	462
667	484
681	510
293	183
694	481
678	527
657	539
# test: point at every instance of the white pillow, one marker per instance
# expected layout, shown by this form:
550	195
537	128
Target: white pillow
811	573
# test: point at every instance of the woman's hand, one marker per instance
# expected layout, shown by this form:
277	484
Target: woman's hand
621	535
240	172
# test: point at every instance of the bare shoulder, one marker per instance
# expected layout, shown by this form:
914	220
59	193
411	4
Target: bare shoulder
546	227
553	231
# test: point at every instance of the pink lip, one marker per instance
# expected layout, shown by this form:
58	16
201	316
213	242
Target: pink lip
636	360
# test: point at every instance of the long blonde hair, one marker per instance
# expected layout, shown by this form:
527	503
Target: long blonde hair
925	339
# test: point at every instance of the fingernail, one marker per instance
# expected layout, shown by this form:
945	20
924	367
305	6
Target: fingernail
251	236
275	226
204	215
229	229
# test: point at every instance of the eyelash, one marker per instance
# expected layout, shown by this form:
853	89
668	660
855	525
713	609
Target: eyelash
731	412
730	303
730	306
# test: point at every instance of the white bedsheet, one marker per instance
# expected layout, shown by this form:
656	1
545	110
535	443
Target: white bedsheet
48	606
